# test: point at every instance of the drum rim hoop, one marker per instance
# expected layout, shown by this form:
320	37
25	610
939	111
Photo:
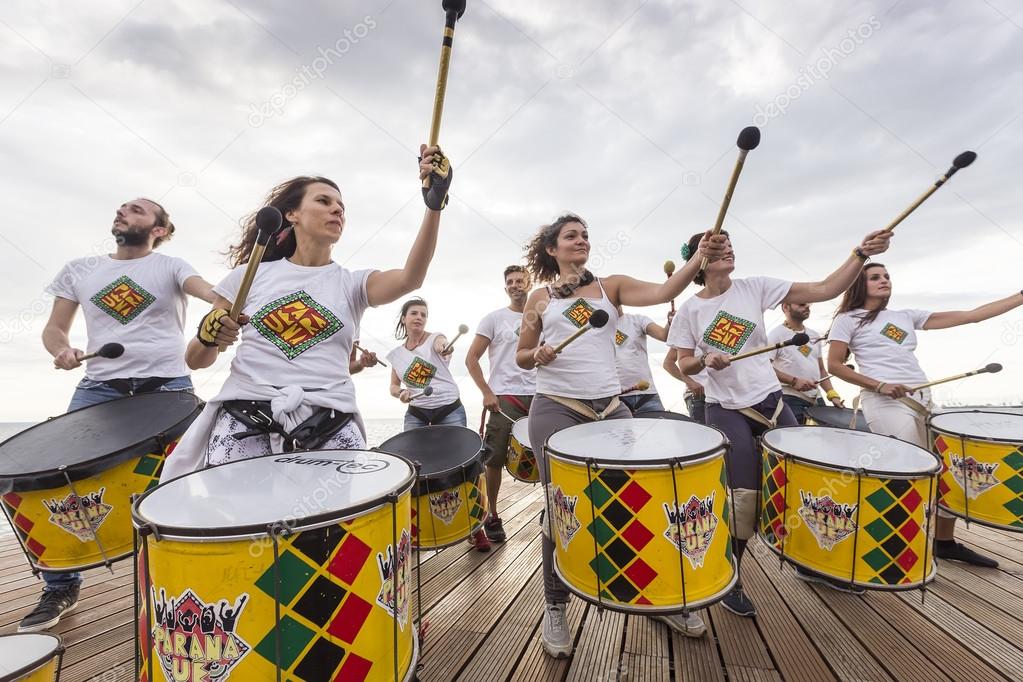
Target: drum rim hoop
57	652
982	439
901	475
982	522
227	533
446	479
870	587
688	460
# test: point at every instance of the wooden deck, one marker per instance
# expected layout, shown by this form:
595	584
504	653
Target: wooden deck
484	614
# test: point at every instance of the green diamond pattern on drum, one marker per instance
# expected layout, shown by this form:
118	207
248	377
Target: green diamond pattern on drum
893	530
617	499
772	495
1014	460
293	636
726	513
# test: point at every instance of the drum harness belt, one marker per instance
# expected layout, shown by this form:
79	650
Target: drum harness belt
310	434
582	408
124	387
434	415
752	414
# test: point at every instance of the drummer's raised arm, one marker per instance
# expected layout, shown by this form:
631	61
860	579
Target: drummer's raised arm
216	330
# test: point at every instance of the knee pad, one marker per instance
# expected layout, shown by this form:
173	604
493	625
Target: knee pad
745	503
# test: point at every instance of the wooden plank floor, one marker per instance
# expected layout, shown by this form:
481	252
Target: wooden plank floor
483	612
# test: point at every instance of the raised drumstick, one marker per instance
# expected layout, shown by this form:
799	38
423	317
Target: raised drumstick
991	368
462	329
799	339
749	139
669	270
959	162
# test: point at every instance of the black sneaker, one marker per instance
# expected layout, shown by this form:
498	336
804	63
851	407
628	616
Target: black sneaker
48	611
957	551
837	585
738	603
494	529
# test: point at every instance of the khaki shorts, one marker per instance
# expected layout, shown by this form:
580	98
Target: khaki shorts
498	431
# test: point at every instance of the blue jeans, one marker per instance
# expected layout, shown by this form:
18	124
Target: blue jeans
640	403
87	393
456	418
799	406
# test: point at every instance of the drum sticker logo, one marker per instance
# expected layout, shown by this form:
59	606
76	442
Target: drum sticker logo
445	505
565	520
974	477
123	299
691	529
395	573
79	515
620	337
728	333
420	373
890	331
295	323
579	312
829	521
195	641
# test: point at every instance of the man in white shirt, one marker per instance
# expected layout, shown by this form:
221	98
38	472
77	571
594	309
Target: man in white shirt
800	368
134	297
509	392
633	362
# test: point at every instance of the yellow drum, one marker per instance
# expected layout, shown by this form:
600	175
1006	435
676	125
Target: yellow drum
286	567
856	507
33	657
640	514
521	463
982	473
68	482
447	502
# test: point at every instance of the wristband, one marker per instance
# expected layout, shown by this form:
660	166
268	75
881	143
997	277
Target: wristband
880	385
833	395
858	252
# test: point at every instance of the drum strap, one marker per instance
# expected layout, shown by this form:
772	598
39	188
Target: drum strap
432	416
582	408
750	413
309	435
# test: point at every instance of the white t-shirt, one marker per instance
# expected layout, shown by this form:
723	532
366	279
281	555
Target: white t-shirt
630	352
501	327
731	323
424	367
799	361
303	322
884	348
138	303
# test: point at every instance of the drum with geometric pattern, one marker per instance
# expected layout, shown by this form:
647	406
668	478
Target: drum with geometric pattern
521	463
854	506
68	482
31	657
640	514
982	472
285	567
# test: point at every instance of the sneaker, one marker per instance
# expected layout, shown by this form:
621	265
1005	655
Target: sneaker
688	626
957	551
555	637
738	603
494	529
480	541
837	585
48	611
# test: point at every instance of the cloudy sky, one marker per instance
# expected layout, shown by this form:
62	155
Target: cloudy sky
625	112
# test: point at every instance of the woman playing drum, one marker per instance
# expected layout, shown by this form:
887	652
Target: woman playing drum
581	384
723	319
883	342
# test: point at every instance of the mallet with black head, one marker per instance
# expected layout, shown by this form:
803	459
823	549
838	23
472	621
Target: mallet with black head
268	221
749	139
799	339
598	319
958	163
107	350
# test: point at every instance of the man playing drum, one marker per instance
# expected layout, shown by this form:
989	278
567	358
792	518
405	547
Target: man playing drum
136	297
509	390
800	368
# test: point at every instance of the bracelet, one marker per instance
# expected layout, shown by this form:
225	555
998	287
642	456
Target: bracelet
858	252
703	361
833	395
880	385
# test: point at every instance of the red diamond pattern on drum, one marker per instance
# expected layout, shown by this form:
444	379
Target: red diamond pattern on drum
637	535
772	522
634	496
892	558
354	669
350	559
12	499
23	522
35	547
640	573
907	559
909	530
350	617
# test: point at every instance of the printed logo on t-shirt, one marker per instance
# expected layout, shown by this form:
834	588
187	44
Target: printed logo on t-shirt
295	323
805	350
728	332
419	374
892	332
123	299
579	312
620	337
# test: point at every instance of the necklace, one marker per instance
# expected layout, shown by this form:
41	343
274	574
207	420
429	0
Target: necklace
568	288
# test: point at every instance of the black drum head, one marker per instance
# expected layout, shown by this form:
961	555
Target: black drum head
446	454
839	417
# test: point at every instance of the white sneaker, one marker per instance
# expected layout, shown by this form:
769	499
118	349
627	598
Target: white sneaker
556	639
688	626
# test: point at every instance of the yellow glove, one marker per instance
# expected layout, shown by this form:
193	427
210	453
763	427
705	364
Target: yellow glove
209	327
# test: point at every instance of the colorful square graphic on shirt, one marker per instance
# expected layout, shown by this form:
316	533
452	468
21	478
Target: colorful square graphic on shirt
123	299
620	337
295	323
728	333
805	350
892	332
579	312
419	374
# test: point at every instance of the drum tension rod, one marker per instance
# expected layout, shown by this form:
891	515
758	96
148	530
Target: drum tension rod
85	516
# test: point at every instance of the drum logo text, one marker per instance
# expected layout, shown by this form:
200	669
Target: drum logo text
419	374
195	641
728	333
445	505
890	331
691	528
123	299
972	476
79	516
394	579
579	312
829	521
565	520
295	323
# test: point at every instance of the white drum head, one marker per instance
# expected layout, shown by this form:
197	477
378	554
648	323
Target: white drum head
981	424
298	488
635	441
30	650
847	449
520	430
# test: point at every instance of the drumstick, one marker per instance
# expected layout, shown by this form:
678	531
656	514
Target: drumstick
597	320
356	345
959	162
669	270
799	339
749	138
504	414
462	329
453	11
992	368
640	386
107	350
428	391
268	221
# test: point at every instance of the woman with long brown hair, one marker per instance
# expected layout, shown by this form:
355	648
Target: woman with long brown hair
882	341
290	385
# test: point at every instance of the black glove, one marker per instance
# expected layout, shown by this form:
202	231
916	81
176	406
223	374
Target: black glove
209	327
436	195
